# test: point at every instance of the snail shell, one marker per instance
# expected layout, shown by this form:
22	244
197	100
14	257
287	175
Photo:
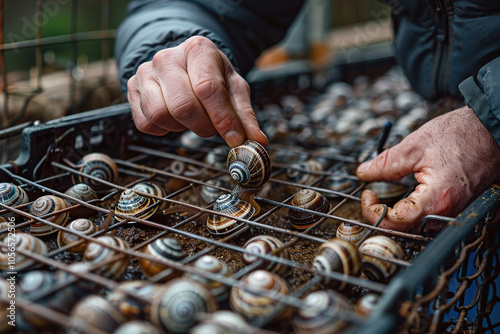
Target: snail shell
231	205
45	205
339	181
130	307
97	312
216	266
366	304
311	200
252	306
153	189
209	193
387	191
137	327
176	309
321	313
12	195
376	269
22	241
96	253
224	322
266	244
84	193
339	256
303	172
81	287
351	233
98	165
81	226
217	157
133	204
164	249
249	164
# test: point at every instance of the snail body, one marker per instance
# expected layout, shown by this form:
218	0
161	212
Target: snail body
81	226
152	189
133	204
249	164
351	233
164	249
84	193
376	269
266	244
22	241
98	165
231	205
96	253
215	266
310	200
45	205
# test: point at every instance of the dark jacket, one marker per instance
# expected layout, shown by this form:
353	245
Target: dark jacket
445	47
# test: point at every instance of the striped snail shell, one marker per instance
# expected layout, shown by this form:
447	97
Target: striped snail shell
133	204
129	306
96	253
322	313
304	172
46	205
249	164
266	244
366	304
215	266
79	287
224	322
231	205
137	327
176	309
84	193
153	189
379	245
22	241
251	305
98	165
80	226
210	193
310	200
166	249
217	156
351	233
338	256
339	181
97	312
12	195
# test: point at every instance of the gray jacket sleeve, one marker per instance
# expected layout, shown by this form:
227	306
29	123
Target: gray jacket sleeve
482	94
241	29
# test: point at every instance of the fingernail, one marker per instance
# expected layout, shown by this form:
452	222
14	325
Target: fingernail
263	134
233	138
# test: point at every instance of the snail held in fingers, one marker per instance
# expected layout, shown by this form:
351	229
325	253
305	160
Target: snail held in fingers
164	249
84	193
98	165
266	244
310	200
133	204
23	241
231	205
97	312
80	226
95	253
351	233
215	266
45	205
376	269
249	164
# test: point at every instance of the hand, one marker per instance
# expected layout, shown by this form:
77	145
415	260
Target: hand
454	159
193	86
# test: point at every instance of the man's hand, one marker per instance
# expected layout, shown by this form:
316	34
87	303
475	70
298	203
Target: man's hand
193	86
454	159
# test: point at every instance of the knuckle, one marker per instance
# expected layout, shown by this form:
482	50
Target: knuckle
143	69
197	43
206	88
224	123
163	56
182	108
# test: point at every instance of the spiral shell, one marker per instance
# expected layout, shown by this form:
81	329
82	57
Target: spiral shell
129	306
81	226
304	172
266	244
223	322
231	205
310	200
217	156
366	304
11	195
387	191
376	269
97	312
351	233
46	205
251	305
133	204
137	327
215	266
153	189
84	193
177	308
96	253
98	165
80	287
339	181
210	193
22	241
338	256
322	313
164	249
249	164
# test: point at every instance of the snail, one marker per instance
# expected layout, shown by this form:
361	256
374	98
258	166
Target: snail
137	327
97	312
376	269
387	192
133	204
129	306
249	164
96	253
164	249
229	204
12	195
81	226
322	313
79	287
224	322
251	305
339	256
46	205
98	165
304	172
153	189
351	233
84	193
25	242
311	200
266	244
189	143
216	266
176	309
210	193
366	304
339	181
217	156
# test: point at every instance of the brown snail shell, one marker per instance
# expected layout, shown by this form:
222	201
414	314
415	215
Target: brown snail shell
153	189
376	269
266	244
249	164
231	205
321	313
167	249
137	327
11	195
176	309
339	181
130	307
133	204
215	266
351	233
98	165
387	191
339	256
84	193
81	226
22	241
311	200
97	312
303	172
96	253
251	305
224	322
366	304
45	205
